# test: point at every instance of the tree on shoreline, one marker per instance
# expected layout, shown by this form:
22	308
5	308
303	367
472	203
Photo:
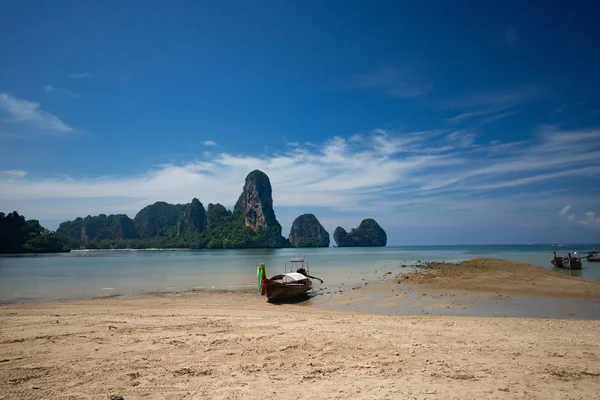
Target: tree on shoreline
17	235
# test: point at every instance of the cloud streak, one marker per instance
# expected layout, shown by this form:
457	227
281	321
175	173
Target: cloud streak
18	111
64	92
565	210
13	173
395	82
80	75
486	108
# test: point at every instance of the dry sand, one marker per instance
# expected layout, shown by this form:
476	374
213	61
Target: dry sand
234	345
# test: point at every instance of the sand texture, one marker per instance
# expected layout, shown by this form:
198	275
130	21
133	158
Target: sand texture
222	345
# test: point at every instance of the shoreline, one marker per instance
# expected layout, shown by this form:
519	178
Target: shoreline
418	276
133	294
226	345
463	289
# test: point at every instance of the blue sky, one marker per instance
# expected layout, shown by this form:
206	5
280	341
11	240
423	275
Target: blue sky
449	122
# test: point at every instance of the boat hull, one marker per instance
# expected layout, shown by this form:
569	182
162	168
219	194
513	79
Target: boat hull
566	264
277	291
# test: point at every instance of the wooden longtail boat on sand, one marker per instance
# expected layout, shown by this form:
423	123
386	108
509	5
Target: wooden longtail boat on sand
289	285
569	261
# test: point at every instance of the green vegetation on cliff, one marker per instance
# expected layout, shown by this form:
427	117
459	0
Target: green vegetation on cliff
163	225
20	236
193	219
368	233
252	224
307	231
157	219
227	230
98	231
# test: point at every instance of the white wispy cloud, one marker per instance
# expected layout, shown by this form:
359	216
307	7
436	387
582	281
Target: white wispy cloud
488	107
19	111
462	137
589	218
69	93
80	75
13	173
398	82
405	179
64	92
553	154
565	210
511	36
209	143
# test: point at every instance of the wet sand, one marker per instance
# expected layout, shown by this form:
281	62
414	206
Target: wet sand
235	345
500	277
479	287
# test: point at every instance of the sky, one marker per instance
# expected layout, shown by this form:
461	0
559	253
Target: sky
449	122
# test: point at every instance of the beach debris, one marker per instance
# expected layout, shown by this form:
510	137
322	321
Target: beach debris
110	327
116	397
133	375
192	372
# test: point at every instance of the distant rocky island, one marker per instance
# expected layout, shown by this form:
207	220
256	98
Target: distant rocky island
251	224
307	231
368	233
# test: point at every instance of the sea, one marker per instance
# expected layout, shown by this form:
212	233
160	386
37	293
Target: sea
31	277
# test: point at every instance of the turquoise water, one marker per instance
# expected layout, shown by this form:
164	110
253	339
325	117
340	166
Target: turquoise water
102	273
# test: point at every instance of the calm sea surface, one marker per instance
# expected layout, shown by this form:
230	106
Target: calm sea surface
102	273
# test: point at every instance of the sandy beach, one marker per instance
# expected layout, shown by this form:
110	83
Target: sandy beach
235	345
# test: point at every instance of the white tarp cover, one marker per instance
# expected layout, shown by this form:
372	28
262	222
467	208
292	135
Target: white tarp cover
295	276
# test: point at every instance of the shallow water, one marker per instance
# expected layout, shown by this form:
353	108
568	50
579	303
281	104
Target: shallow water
101	273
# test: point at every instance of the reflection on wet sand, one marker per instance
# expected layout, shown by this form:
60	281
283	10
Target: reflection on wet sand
479	287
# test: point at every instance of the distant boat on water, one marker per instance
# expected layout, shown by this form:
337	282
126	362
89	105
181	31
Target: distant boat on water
570	261
593	256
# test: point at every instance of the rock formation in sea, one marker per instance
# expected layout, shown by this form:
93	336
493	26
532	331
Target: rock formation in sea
216	215
256	201
255	204
307	231
252	224
368	233
191	222
157	219
101	227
